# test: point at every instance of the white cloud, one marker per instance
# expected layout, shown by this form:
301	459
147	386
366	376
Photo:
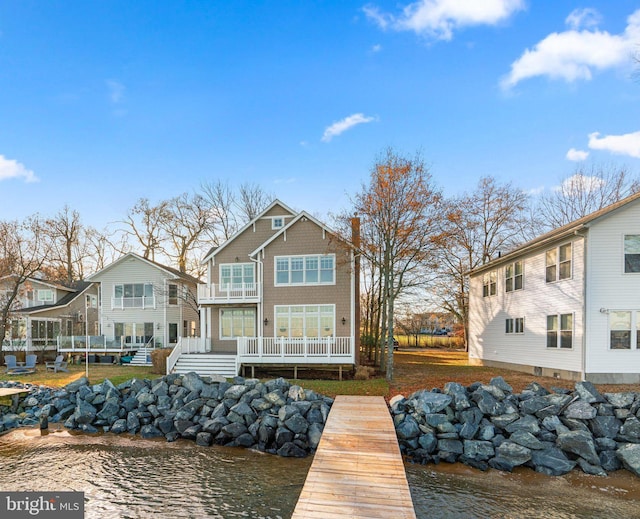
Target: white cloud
342	126
116	91
627	144
376	48
576	54
580	183
577	155
13	169
587	17
439	18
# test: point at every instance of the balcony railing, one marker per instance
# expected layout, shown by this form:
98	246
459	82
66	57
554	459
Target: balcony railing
133	302
307	350
229	292
100	343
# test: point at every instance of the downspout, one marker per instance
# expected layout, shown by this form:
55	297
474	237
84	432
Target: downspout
583	366
260	306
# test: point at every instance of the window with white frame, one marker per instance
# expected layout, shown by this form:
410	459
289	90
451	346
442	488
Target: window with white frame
237	322
514	325
236	276
631	253
560	331
489	283
277	222
558	263
624	329
305	270
305	321
513	276
45	295
173	294
133	295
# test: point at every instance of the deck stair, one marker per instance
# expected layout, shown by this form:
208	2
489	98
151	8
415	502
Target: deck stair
207	364
142	357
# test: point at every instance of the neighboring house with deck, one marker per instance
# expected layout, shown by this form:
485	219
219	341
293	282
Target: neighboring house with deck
144	304
43	311
280	292
566	304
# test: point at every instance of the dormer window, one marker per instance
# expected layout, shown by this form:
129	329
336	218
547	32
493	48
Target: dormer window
277	222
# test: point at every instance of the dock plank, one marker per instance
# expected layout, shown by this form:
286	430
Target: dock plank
357	471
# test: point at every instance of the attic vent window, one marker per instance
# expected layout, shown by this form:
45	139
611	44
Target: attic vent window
277	222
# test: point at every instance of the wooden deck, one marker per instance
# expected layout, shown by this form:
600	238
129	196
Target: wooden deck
357	471
14	394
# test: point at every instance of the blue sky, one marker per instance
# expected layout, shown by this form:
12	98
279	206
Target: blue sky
104	102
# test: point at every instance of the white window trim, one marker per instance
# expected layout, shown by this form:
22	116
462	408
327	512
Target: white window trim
513	326
288	329
488	285
624	272
243	264
274	220
559	332
42	291
557	264
304	257
513	277
233	338
635	331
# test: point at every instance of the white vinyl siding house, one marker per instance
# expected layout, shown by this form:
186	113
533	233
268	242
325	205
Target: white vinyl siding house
579	302
143	302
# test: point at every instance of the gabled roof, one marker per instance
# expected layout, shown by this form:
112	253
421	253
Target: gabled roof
168	270
296	219
215	250
80	288
577	226
51	284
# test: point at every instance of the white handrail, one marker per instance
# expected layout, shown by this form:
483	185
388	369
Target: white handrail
173	357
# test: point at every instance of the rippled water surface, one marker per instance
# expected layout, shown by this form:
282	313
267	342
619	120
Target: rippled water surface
126	477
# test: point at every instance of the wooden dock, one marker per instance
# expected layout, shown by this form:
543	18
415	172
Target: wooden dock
357	471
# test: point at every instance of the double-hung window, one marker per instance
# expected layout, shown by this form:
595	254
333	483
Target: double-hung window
489	283
558	263
624	329
631	253
305	270
513	276
173	294
560	331
46	296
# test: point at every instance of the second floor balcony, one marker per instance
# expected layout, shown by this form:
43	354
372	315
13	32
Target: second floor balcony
217	293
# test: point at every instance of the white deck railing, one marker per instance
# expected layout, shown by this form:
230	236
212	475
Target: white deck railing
186	345
227	292
100	343
310	350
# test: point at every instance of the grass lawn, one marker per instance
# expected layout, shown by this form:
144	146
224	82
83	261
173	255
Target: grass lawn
97	373
414	370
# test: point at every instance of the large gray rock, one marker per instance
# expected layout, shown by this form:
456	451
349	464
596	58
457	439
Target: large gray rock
408	428
620	400
588	392
512	452
579	443
85	413
424	402
629	455
552	461
580	410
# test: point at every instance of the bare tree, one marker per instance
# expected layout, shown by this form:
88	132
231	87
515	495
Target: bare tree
188	220
252	200
222	205
67	251
23	250
477	227
399	209
144	222
585	191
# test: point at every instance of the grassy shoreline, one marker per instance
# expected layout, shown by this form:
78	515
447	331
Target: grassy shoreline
415	369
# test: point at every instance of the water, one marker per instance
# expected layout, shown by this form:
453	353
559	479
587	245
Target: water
127	477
